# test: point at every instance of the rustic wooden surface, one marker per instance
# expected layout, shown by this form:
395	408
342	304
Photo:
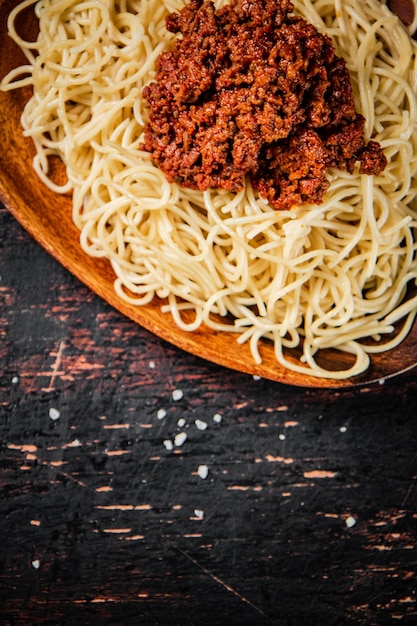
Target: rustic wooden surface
307	515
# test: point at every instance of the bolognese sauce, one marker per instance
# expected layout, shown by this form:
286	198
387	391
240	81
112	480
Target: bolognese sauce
253	91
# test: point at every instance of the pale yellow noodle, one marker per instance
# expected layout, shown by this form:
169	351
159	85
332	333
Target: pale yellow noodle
324	276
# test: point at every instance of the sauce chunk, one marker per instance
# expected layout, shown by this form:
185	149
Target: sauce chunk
253	91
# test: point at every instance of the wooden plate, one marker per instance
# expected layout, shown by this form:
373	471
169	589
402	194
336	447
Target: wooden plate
47	217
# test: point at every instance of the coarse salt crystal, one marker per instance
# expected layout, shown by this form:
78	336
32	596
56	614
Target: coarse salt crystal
177	394
36	563
256	377
282	436
199	513
54	414
202	471
343	429
161	414
180	439
350	521
152	365
168	444
76	443
181	422
200	424
217	418
15	380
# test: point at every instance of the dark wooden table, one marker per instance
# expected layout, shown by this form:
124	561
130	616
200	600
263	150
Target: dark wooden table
307	515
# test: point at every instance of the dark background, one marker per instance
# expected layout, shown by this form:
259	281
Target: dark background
308	511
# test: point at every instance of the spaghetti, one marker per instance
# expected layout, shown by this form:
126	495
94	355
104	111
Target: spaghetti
333	275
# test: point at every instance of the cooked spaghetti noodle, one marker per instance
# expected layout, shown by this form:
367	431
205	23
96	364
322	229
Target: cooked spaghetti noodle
328	276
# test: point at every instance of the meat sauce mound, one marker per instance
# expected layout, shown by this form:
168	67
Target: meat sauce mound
249	90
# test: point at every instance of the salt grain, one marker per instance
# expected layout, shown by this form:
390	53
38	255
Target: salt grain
54	414
168	444
36	564
152	365
202	471
282	437
199	513
181	422
200	424
15	380
177	394
343	429
180	439
76	443
217	418
350	521
161	414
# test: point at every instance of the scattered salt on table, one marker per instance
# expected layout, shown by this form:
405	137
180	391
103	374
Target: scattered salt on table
202	471
54	414
180	439
177	394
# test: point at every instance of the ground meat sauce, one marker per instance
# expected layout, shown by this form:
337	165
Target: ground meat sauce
251	91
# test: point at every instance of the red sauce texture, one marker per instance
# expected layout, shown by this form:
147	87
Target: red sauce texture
252	91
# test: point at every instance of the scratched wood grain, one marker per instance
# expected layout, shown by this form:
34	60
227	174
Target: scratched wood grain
307	514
